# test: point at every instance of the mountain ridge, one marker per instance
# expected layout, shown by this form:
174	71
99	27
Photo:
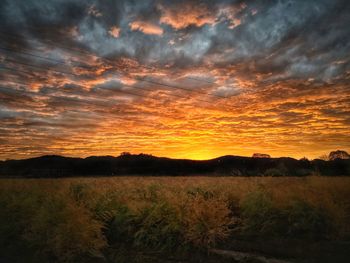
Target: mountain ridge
145	164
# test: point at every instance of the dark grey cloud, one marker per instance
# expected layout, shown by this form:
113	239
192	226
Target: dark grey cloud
300	37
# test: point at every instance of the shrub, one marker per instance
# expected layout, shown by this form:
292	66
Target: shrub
159	227
49	227
297	220
119	225
207	221
306	221
259	215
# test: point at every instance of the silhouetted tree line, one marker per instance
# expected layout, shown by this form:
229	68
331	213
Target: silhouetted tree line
143	164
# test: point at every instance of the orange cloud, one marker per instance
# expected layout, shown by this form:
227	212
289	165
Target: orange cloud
146	27
187	14
199	14
114	31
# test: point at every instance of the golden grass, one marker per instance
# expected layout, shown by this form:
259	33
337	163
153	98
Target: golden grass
68	218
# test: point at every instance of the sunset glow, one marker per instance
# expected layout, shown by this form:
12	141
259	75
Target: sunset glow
181	79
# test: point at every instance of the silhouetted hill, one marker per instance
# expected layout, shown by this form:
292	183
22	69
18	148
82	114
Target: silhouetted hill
143	164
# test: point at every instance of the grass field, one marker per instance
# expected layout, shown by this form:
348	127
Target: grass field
116	219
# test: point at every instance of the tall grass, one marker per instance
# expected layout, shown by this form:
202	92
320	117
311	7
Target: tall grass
73	220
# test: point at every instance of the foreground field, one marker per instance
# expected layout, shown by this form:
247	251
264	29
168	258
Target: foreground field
129	219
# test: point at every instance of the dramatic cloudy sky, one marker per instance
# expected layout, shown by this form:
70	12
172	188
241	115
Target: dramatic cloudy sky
185	79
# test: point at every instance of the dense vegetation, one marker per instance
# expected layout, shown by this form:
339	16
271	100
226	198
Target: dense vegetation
143	164
125	219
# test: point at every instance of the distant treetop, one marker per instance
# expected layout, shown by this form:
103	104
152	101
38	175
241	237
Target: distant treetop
261	155
339	154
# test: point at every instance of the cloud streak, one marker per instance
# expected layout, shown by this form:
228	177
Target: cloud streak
146	28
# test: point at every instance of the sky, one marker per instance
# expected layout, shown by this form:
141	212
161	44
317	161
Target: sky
181	79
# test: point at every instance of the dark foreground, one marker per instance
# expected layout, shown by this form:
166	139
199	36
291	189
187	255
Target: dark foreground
175	219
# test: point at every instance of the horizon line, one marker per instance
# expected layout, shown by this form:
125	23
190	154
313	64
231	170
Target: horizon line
174	158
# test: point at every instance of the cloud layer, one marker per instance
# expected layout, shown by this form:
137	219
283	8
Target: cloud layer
194	79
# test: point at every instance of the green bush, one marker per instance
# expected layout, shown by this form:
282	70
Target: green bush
307	222
158	227
296	220
259	215
120	226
